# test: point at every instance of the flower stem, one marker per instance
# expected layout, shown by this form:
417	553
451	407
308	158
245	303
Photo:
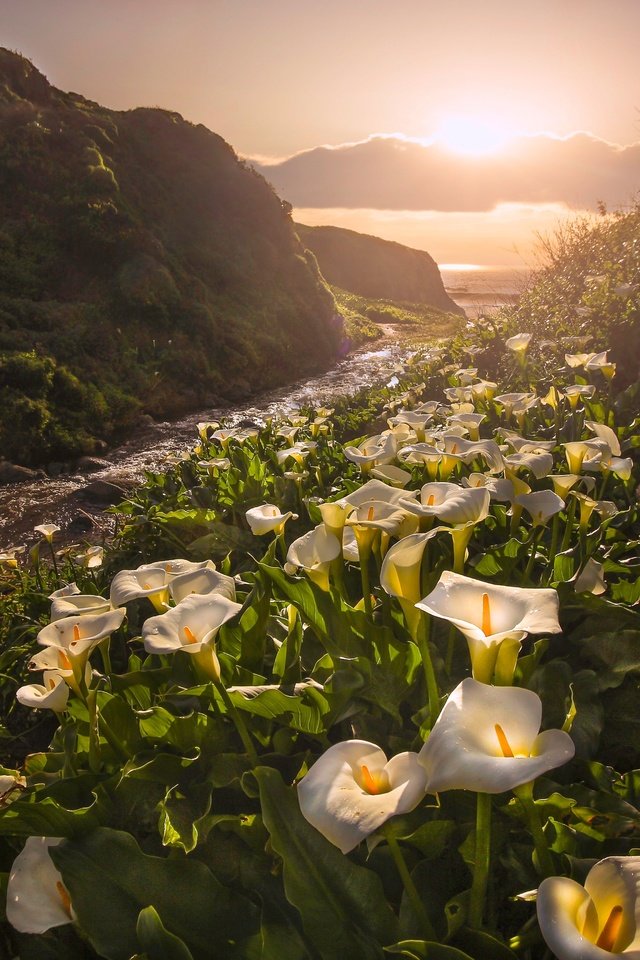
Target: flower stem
422	641
482	858
410	887
238	720
524	794
366	585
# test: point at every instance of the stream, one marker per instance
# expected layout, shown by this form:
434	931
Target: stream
60	499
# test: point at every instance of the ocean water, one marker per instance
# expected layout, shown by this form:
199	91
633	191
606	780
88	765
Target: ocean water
482	289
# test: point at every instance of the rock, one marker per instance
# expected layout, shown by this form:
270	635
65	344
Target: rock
112	489
13	473
92	464
80	524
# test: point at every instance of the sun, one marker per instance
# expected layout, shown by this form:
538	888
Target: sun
476	136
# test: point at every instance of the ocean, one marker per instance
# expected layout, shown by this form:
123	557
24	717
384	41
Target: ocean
481	289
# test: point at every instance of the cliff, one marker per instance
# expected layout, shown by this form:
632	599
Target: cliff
143	267
375	268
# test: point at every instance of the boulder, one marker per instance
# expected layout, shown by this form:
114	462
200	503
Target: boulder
111	489
92	464
13	473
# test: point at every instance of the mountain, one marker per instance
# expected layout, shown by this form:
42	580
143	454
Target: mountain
375	268
395	173
143	268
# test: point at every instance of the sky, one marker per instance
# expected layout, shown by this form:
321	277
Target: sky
457	79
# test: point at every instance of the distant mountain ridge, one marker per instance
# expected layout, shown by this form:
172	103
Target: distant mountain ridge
143	267
376	268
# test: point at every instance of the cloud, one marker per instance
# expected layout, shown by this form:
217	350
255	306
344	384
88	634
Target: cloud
393	172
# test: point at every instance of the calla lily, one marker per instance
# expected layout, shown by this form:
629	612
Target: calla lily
578	390
469	450
202	581
77	636
192	627
372	520
314	553
487	739
48	530
541	505
484	389
151	580
372	490
78	604
268	519
400	572
598	361
590	579
539	462
563	482
518	343
36	897
577	359
597	920
394	476
372	451
11	786
526	444
471	421
456	504
579	450
500	488
488	614
352	789
51	694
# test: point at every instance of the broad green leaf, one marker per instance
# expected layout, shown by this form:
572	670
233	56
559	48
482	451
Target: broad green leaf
341	628
343	908
155	939
108	868
182	813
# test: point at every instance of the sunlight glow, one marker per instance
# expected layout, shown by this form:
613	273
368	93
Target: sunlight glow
476	136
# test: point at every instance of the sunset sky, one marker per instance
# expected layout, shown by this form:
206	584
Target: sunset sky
453	82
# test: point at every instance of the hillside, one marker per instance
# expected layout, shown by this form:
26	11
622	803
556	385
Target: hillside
377	269
143	267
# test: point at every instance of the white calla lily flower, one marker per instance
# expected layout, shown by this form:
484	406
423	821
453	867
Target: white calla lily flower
598	920
192	627
36	896
518	343
314	552
78	604
394	476
487	614
51	694
370	491
268	518
48	530
541	505
202	581
189	626
590	579
539	462
352	789
487	739
76	636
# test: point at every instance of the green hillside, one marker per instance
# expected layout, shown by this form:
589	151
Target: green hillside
377	269
143	267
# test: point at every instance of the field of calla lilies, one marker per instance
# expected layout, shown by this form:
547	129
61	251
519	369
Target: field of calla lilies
328	698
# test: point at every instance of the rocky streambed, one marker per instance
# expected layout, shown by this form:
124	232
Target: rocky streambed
76	500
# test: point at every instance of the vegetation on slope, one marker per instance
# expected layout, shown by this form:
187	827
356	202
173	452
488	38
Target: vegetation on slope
375	268
365	318
142	267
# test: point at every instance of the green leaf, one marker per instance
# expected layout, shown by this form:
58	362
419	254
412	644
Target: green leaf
182	813
343	908
341	628
426	950
110	880
155	939
482	946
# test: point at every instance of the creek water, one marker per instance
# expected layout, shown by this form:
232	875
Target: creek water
60	499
